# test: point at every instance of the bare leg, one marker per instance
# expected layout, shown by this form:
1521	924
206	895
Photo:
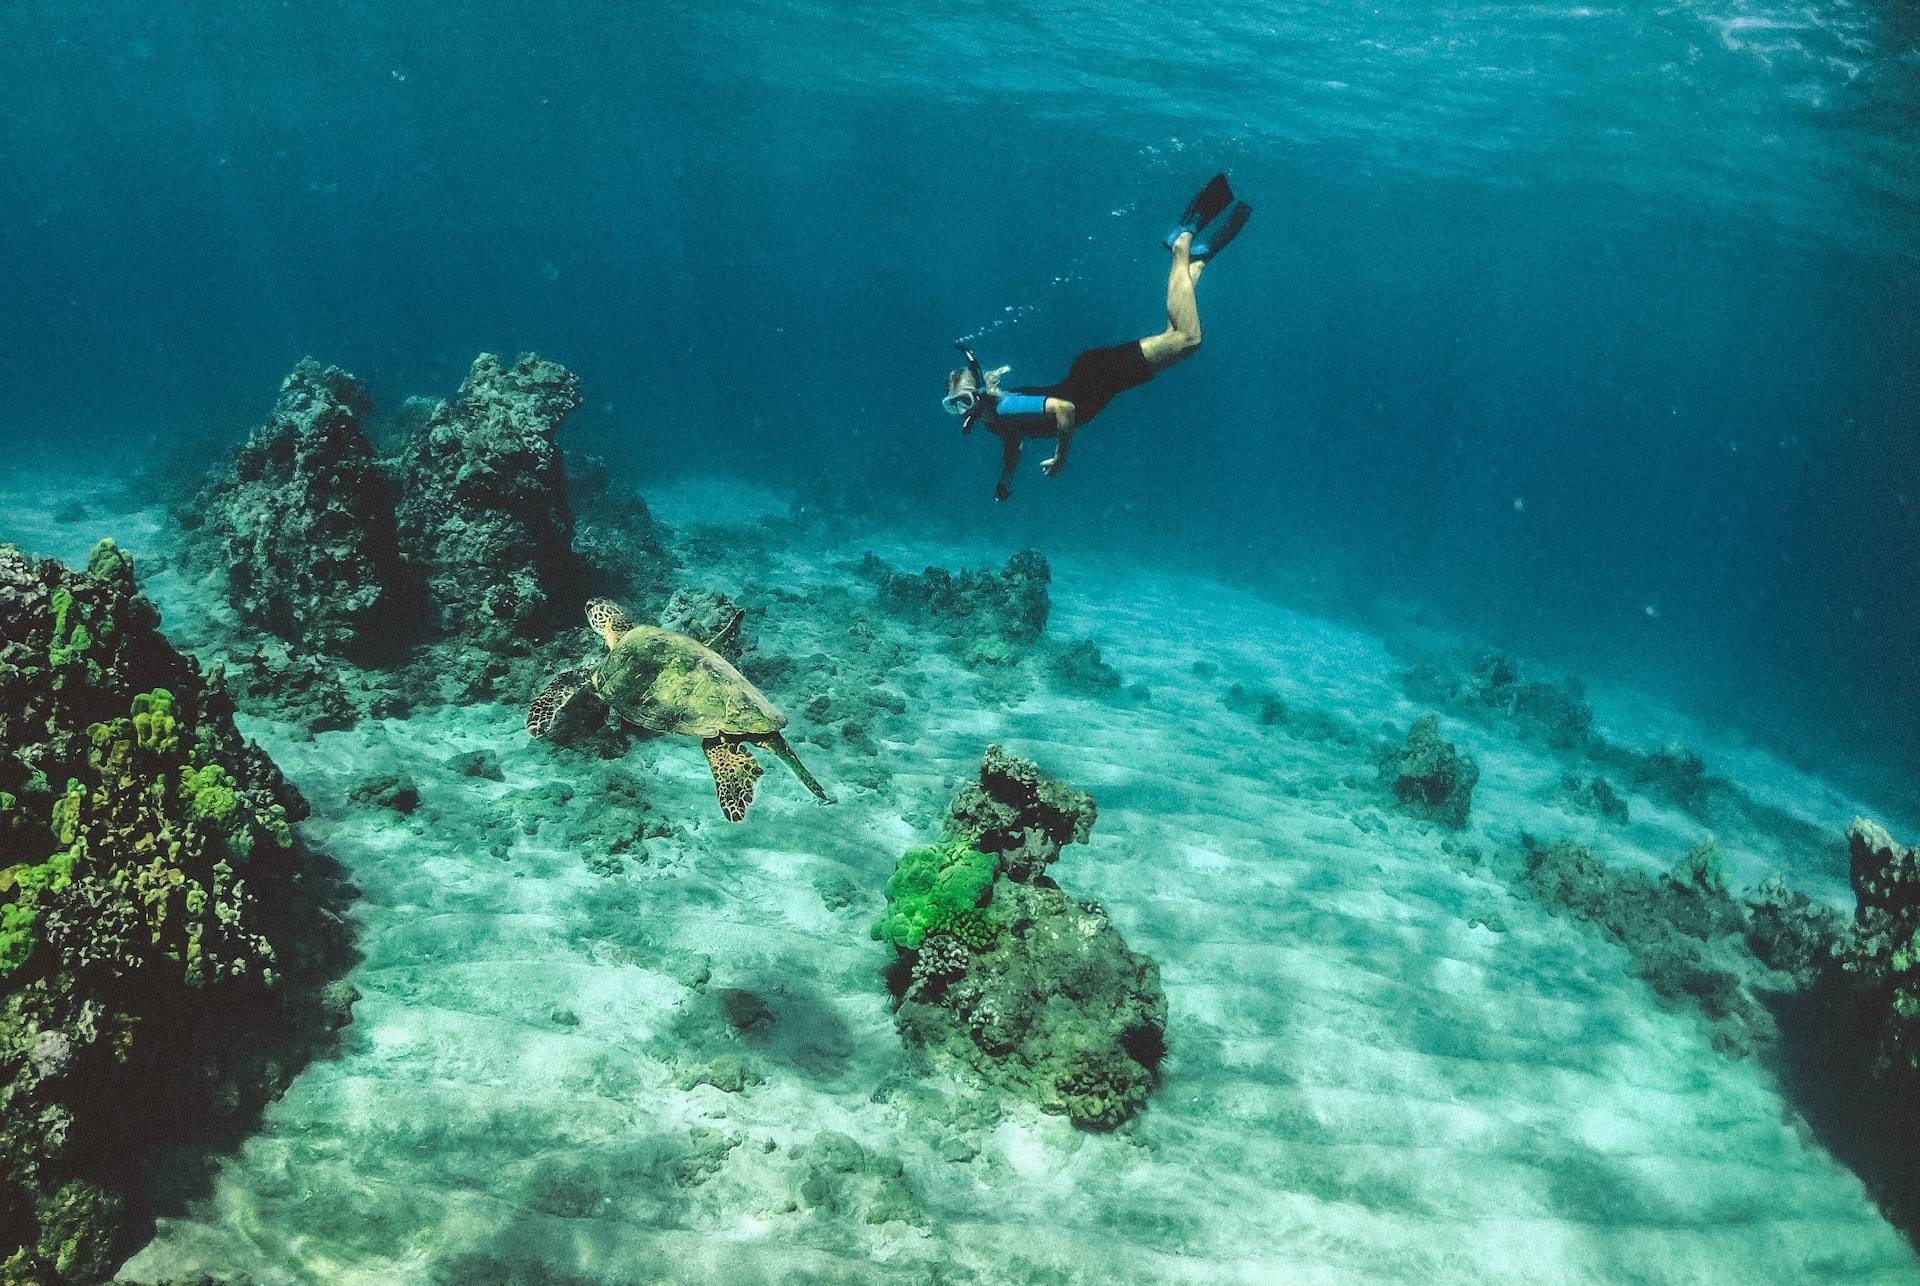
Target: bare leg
1009	461
1181	339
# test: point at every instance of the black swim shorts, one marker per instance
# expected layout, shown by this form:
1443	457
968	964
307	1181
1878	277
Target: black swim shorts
1096	376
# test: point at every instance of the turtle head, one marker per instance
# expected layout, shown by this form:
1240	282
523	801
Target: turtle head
607	619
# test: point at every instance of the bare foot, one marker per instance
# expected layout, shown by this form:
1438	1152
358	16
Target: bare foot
1050	465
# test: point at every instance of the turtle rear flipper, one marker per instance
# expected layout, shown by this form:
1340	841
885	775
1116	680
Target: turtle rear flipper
778	745
735	772
546	708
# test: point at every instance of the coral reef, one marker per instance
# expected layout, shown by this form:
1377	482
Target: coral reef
483	515
1881	955
1684	932
162	946
1010	977
1429	777
1673	773
702	614
1490	684
1018	815
1789	932
1594	795
302	522
1078	667
468	537
989	617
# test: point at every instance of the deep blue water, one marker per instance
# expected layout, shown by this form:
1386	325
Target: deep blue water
1590	328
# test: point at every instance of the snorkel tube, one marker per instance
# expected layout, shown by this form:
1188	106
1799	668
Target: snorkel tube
970	403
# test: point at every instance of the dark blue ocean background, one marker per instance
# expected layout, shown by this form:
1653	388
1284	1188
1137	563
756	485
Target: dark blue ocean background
1587	329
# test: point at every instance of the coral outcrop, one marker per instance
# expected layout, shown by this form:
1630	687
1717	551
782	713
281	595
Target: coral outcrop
469	537
1881	954
1018	815
483	515
1683	932
162	944
999	970
990	617
302	522
1487	683
1429	777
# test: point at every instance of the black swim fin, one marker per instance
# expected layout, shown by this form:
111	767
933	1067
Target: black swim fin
1207	202
1215	238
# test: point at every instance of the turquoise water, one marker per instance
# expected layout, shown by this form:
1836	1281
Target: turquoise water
1585	333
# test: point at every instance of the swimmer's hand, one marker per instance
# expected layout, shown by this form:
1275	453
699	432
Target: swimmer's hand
1051	465
1002	491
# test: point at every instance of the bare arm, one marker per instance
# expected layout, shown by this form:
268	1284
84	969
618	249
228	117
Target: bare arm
1009	461
1063	413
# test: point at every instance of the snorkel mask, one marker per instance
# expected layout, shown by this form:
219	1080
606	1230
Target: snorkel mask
965	398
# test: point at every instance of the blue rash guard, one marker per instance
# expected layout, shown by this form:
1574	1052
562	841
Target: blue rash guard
1021	411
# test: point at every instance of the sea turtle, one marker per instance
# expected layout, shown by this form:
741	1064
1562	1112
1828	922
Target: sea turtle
668	682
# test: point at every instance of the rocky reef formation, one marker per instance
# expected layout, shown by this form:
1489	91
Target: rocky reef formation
163	945
1078	667
483	514
1486	685
354	567
1429	777
989	617
1881	953
1683	932
997	969
1489	684
302	522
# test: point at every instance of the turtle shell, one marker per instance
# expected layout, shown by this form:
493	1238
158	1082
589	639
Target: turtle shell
671	683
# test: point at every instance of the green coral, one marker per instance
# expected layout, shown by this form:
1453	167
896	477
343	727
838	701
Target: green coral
208	794
71	638
155	729
17	939
974	926
934	887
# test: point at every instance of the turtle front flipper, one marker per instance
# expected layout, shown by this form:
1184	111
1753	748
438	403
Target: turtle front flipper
735	771
546	708
778	745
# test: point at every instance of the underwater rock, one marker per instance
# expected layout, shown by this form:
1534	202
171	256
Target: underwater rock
1594	795
837	1176
483	515
1673	773
396	791
1079	668
1429	777
302	522
1683	933
1487	683
1881	955
1018	815
702	614
162	944
1789	932
484	764
989	617
1033	991
616	536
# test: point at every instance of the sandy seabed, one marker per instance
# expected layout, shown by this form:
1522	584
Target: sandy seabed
1385	1065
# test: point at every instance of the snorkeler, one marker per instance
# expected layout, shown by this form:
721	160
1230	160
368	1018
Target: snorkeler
1057	411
